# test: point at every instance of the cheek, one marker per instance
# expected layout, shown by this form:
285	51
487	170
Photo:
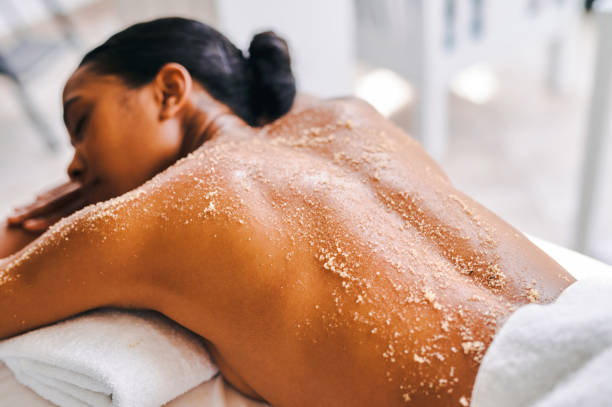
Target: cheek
107	160
121	149
107	153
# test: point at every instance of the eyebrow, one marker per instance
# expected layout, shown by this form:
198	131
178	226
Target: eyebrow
67	104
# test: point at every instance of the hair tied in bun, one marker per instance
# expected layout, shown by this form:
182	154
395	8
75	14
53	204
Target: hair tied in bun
273	86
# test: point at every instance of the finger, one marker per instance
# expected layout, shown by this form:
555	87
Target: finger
66	189
63	189
42	206
50	195
39	224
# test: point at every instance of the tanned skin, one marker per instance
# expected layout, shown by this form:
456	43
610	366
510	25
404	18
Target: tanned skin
325	258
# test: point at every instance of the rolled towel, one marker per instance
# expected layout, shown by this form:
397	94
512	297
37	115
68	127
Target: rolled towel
109	358
555	355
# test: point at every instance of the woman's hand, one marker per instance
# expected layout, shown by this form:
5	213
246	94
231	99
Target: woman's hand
49	207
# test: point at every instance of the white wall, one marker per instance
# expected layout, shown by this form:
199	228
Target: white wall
319	33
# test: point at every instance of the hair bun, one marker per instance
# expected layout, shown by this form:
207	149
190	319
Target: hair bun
273	85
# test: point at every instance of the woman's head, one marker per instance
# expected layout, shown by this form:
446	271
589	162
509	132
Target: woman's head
133	99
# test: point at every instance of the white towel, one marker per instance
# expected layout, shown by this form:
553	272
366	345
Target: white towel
109	358
553	355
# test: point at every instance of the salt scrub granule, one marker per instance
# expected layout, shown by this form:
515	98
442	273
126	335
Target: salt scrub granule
445	326
431	297
532	294
464	401
420	359
309	138
470	347
209	208
4	276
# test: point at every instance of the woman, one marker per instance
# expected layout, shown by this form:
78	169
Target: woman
324	257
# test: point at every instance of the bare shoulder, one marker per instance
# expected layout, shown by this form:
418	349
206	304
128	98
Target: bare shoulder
354	125
325	112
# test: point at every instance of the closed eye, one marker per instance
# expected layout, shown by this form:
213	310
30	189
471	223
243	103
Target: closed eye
79	127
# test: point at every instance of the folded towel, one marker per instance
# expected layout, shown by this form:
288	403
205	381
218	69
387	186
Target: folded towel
109	358
553	355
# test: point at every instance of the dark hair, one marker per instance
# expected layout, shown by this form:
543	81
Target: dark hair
259	88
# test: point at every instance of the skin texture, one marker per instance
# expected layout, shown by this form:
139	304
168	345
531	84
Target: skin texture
325	258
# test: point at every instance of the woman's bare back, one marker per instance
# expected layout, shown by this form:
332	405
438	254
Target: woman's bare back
326	259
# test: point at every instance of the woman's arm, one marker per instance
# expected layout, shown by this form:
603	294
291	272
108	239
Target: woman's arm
91	259
143	249
28	222
13	239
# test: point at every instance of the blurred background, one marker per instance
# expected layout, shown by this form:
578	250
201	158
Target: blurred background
511	97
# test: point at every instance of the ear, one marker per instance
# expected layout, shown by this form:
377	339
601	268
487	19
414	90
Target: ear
173	85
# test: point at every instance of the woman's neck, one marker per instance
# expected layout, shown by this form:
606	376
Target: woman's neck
209	121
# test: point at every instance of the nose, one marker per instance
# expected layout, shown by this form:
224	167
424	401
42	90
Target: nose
77	168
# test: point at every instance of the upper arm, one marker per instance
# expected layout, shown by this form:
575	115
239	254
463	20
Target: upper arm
80	263
114	253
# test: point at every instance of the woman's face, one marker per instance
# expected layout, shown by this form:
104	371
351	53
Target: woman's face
119	136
